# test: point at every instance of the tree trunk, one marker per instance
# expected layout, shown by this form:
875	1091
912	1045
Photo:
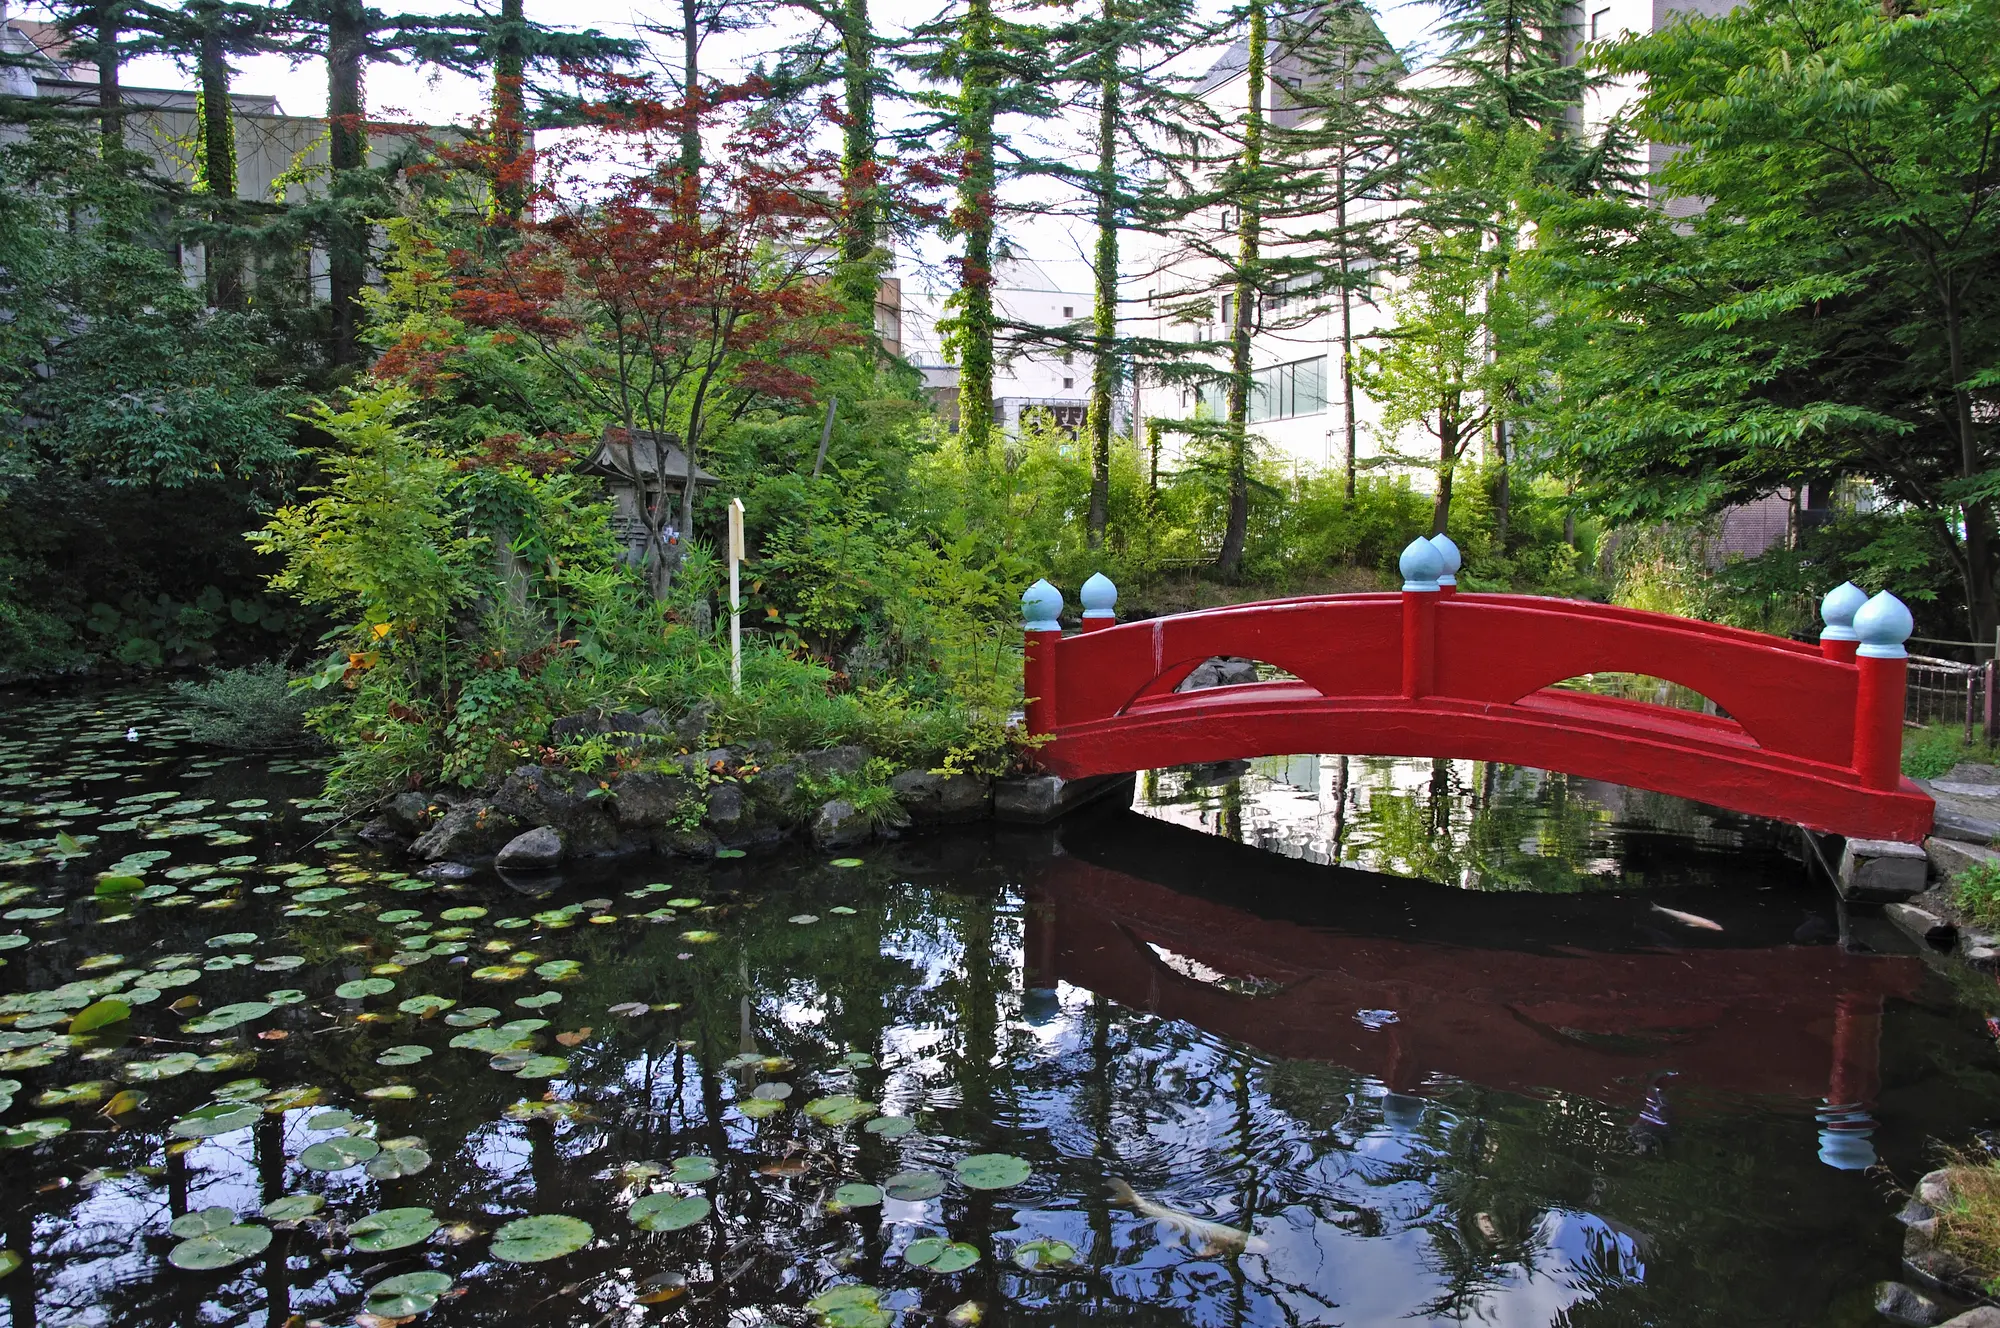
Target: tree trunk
1346	325
347	152
1236	532
513	166
1503	487
1104	363
860	242
109	30
216	165
974	333
1982	606
1447	462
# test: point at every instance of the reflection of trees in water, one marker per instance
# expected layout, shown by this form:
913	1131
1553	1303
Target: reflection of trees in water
1483	826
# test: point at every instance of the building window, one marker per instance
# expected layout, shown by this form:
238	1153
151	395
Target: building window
1600	23
1068	383
1285	390
1280	392
1069	311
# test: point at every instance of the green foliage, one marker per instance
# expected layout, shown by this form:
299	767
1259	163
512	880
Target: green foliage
1829	310
1976	890
1934	749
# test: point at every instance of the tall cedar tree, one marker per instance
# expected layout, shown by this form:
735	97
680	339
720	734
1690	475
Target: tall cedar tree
1835	306
1342	150
1143	119
1247	190
672	302
847	51
349	35
1001	68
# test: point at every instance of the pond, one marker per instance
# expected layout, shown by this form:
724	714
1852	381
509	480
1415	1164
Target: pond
1313	1041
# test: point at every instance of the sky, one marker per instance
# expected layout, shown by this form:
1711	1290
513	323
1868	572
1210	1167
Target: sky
436	97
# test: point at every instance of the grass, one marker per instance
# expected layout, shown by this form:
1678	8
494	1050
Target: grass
1970	1226
1976	891
1934	749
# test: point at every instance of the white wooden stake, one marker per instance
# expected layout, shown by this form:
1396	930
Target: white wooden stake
735	595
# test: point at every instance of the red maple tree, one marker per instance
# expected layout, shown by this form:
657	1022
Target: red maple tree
672	300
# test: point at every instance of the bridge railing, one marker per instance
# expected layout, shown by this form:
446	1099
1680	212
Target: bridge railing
1839	707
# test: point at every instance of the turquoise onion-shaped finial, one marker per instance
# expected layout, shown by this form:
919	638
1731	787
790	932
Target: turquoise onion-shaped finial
1041	608
1421	565
1882	625
1099	596
1453	560
1837	610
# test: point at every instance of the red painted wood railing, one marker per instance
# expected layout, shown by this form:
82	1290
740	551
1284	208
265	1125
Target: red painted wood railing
1812	736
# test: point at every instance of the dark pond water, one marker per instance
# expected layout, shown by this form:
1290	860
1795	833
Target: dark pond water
1133	1070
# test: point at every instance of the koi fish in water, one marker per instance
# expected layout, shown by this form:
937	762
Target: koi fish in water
1212	1238
1688	919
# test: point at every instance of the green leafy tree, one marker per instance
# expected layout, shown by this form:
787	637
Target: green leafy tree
1830	306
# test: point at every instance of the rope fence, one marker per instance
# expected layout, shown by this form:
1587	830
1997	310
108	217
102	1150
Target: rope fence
1944	691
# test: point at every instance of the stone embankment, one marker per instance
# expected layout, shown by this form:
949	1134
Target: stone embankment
1916	890
696	803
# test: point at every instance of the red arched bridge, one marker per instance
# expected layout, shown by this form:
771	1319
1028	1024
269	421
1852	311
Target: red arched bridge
1804	734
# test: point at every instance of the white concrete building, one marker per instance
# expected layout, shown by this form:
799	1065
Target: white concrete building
1027	378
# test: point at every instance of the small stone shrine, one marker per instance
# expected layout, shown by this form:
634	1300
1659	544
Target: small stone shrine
642	470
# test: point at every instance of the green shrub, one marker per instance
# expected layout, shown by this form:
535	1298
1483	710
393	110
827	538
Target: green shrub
252	709
1976	890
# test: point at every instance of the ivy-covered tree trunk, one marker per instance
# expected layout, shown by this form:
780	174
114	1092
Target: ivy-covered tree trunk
511	167
1350	426
347	32
973	334
1248	243
1104	369
215	166
860	243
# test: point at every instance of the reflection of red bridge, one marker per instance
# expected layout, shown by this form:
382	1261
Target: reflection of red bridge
1795	1021
1808	735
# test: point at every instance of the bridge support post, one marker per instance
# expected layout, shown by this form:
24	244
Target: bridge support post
1838	639
1100	602
1453	560
1881	625
1041	628
1421	565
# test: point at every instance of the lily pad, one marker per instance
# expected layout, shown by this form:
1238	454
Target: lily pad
225	1017
361	988
426	1006
914	1186
772	1092
232	940
669	1212
850	1306
406	1295
701	937
472	1016
537	1239
169	1066
292	1208
335	1119
338	1153
467	914
542	1067
941	1255
1044	1253
840	1110
392	1229
500	973
890	1127
99	1014
993	1171
29	1133
845	862
202	1222
539	1001
408	1054
221	1118
857	1195
694	1169
759	1108
220	1248
9	1261
399	1158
